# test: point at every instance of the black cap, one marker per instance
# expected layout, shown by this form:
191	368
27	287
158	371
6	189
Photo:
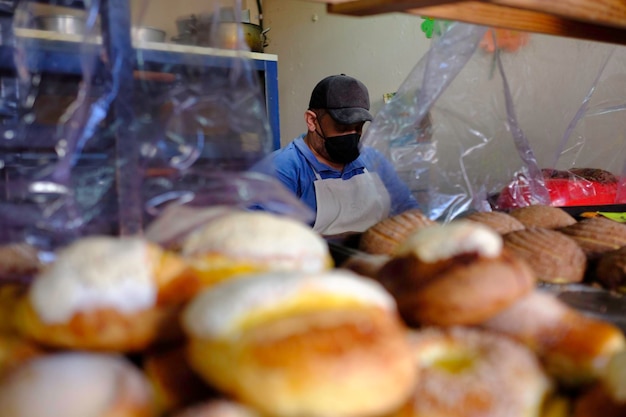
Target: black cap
345	98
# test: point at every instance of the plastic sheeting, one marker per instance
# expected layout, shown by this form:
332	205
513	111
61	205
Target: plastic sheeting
104	133
504	123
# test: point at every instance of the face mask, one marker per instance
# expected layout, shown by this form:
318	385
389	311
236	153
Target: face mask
342	149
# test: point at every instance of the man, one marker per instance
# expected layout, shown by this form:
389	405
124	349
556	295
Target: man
349	187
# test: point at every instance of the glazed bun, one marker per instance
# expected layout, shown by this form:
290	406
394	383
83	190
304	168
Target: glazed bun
470	372
105	293
292	343
574	348
383	237
76	385
553	256
499	221
548	217
240	243
454	274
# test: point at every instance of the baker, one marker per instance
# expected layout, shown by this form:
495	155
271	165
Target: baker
350	187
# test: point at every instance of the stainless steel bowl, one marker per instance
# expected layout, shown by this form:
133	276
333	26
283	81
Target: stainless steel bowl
69	24
148	34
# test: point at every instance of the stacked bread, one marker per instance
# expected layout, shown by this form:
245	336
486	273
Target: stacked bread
248	317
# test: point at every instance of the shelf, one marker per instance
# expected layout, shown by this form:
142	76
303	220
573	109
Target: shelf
596	20
59	53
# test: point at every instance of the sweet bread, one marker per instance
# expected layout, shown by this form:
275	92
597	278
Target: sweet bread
454	274
499	221
553	256
242	243
597	235
610	270
108	294
383	237
76	384
548	217
466	372
291	343
574	348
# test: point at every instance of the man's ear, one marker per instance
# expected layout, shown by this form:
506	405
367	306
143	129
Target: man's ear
309	119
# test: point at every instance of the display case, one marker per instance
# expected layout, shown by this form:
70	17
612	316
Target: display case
118	75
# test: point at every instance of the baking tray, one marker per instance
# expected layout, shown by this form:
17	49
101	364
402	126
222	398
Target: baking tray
576	211
591	301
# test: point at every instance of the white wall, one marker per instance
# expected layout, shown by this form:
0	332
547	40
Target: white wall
311	44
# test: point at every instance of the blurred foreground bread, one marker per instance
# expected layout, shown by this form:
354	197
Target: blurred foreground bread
383	237
218	408
297	344
105	293
174	383
466	372
18	261
548	217
240	243
76	384
574	348
553	256
456	273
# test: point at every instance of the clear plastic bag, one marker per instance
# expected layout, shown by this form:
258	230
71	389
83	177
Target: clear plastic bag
502	121
102	126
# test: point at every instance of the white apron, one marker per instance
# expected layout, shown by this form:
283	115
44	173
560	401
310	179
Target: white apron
350	205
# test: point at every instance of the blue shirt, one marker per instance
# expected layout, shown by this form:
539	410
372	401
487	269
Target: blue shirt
295	164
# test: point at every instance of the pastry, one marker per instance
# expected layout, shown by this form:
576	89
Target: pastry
302	344
454	274
499	221
242	243
548	217
107	294
76	384
553	256
574	348
597	235
383	237
466	372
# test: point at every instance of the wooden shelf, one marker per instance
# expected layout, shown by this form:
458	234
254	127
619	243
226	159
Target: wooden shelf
597	20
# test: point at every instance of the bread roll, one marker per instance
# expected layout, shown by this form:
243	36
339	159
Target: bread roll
241	243
610	270
467	372
291	344
76	384
548	217
597	235
107	294
499	221
553	256
575	348
454	274
383	237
